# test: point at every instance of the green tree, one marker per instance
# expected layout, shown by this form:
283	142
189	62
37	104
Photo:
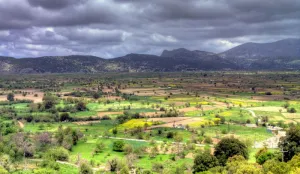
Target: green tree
58	153
3	170
208	140
178	139
85	169
113	164
65	116
262	158
157	167
11	97
100	146
124	170
115	131
118	146
49	101
96	95
292	110
263	155
290	143
277	167
229	147
44	171
81	106
204	161
238	165
295	161
5	163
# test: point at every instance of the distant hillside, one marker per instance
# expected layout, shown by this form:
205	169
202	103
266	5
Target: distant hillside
184	53
57	64
142	62
201	59
91	64
283	54
280	55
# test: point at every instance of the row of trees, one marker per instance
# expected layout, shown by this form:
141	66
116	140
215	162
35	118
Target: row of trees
230	156
49	146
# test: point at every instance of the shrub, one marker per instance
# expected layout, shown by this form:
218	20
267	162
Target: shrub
262	158
11	97
292	110
44	171
81	106
65	116
224	131
100	146
268	93
204	161
170	135
3	170
118	146
208	140
58	153
85	169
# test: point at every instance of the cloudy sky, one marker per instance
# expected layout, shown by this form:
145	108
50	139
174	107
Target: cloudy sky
111	28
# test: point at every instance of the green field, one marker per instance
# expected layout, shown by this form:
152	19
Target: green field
162	121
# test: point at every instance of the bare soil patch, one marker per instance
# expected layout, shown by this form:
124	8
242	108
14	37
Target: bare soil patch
21	124
174	121
150	91
188	109
205	108
268	97
291	115
107	90
220	104
101	114
152	114
30	96
269	109
289	121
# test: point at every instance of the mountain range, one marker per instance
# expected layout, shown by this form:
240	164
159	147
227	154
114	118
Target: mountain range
279	55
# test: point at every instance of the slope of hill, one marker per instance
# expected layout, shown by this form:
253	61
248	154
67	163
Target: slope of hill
57	64
286	47
202	59
280	55
128	63
283	54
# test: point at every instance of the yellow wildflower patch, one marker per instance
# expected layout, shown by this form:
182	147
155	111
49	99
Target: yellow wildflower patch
134	123
200	123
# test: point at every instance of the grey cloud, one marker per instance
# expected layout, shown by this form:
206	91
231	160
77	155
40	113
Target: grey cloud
92	35
15	14
110	28
53	4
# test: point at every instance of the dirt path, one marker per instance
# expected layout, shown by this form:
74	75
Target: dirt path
251	112
21	124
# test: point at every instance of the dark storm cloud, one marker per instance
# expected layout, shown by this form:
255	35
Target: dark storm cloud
15	14
109	28
54	4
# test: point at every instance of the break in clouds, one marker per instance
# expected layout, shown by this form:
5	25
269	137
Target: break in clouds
112	28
